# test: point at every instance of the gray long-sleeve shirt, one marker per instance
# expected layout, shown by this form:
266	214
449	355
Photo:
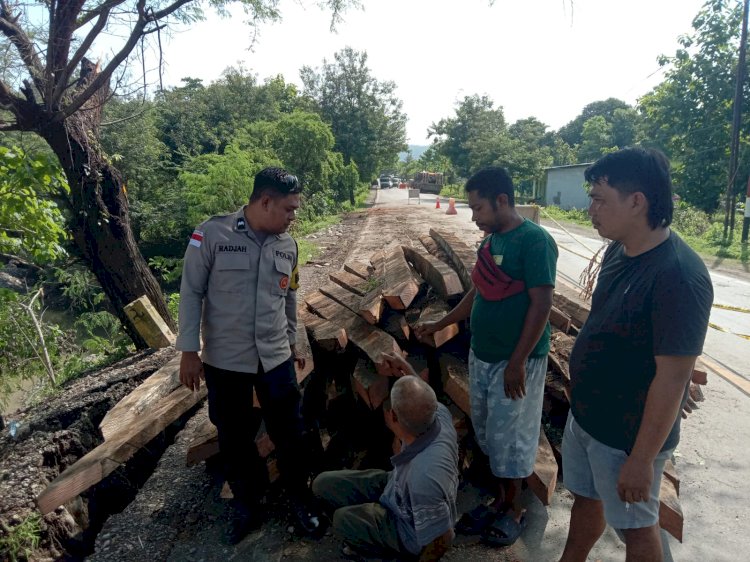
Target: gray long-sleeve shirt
239	295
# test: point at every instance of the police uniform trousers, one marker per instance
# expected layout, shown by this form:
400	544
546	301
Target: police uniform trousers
230	408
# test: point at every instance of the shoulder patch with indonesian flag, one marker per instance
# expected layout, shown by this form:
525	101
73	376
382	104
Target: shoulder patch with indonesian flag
196	239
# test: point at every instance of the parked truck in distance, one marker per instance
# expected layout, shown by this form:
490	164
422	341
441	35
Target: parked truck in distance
428	182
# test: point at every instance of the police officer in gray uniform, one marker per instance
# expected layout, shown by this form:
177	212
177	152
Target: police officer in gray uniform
238	293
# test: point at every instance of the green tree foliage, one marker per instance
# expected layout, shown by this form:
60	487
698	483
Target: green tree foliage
31	224
689	114
364	113
469	138
597	139
572	133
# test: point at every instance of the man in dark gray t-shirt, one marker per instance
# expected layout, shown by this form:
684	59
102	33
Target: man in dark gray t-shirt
633	359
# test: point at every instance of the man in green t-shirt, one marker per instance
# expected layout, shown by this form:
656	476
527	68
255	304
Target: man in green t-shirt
633	359
514	279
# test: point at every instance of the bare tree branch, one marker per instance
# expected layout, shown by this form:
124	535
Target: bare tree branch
62	25
91	14
103	77
63	78
23	44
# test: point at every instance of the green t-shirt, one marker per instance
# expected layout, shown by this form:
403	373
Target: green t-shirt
527	253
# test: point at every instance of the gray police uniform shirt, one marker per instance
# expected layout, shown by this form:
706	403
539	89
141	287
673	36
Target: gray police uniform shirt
239	295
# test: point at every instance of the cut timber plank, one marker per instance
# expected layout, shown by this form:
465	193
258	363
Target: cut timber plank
461	256
400	285
394	323
437	273
350	282
303	350
373	341
370	307
148	323
142	399
369	385
670	511
544	478
325	334
567	299
432	313
431	246
358	268
700	372
560	320
103	460
456	382
205	443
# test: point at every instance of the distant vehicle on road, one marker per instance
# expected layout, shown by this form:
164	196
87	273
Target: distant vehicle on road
385	182
428	182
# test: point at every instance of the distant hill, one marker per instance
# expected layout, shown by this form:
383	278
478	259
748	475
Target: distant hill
416	151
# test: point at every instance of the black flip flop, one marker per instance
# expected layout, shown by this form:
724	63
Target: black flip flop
504	531
475	521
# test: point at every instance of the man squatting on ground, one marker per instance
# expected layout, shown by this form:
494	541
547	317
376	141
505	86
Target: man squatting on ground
514	279
409	512
238	292
632	361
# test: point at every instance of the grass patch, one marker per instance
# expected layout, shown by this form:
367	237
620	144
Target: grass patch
19	542
307	251
576	216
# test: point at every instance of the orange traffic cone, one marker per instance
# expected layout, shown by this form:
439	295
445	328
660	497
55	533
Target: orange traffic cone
451	207
437	203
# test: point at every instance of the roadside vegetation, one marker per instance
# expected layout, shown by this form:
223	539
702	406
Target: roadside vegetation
170	160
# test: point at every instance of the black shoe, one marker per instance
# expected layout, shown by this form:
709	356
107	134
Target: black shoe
244	521
307	521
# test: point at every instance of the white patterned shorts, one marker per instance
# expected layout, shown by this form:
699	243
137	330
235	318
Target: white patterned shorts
507	430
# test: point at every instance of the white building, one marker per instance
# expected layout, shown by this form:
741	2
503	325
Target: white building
564	187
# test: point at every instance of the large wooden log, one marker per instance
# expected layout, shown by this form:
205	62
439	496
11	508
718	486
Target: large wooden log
303	351
142	399
560	320
373	341
438	274
148	323
400	285
327	335
432	313
544	478
104	459
568	300
461	256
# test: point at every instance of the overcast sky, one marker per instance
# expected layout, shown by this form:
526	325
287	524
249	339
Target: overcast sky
542	58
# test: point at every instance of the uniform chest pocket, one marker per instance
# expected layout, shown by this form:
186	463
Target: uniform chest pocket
281	276
231	272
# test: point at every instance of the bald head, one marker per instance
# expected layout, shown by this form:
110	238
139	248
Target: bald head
414	403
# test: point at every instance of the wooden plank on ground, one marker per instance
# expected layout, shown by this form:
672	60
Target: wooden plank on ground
670	510
350	282
358	268
327	335
544	478
372	387
104	459
438	274
394	322
373	341
461	256
400	285
700	372
432	313
431	246
671	472
150	391
370	307
204	443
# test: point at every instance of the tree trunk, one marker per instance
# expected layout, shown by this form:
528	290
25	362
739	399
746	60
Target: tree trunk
101	225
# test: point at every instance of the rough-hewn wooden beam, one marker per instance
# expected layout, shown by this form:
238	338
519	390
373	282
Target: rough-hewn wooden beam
438	274
461	256
432	313
544	478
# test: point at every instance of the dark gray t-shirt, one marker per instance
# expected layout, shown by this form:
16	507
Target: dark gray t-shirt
657	303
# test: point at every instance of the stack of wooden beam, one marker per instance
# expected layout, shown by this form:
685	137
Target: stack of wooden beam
367	309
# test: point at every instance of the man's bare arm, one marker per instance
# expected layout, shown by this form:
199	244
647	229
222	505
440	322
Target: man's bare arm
662	408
